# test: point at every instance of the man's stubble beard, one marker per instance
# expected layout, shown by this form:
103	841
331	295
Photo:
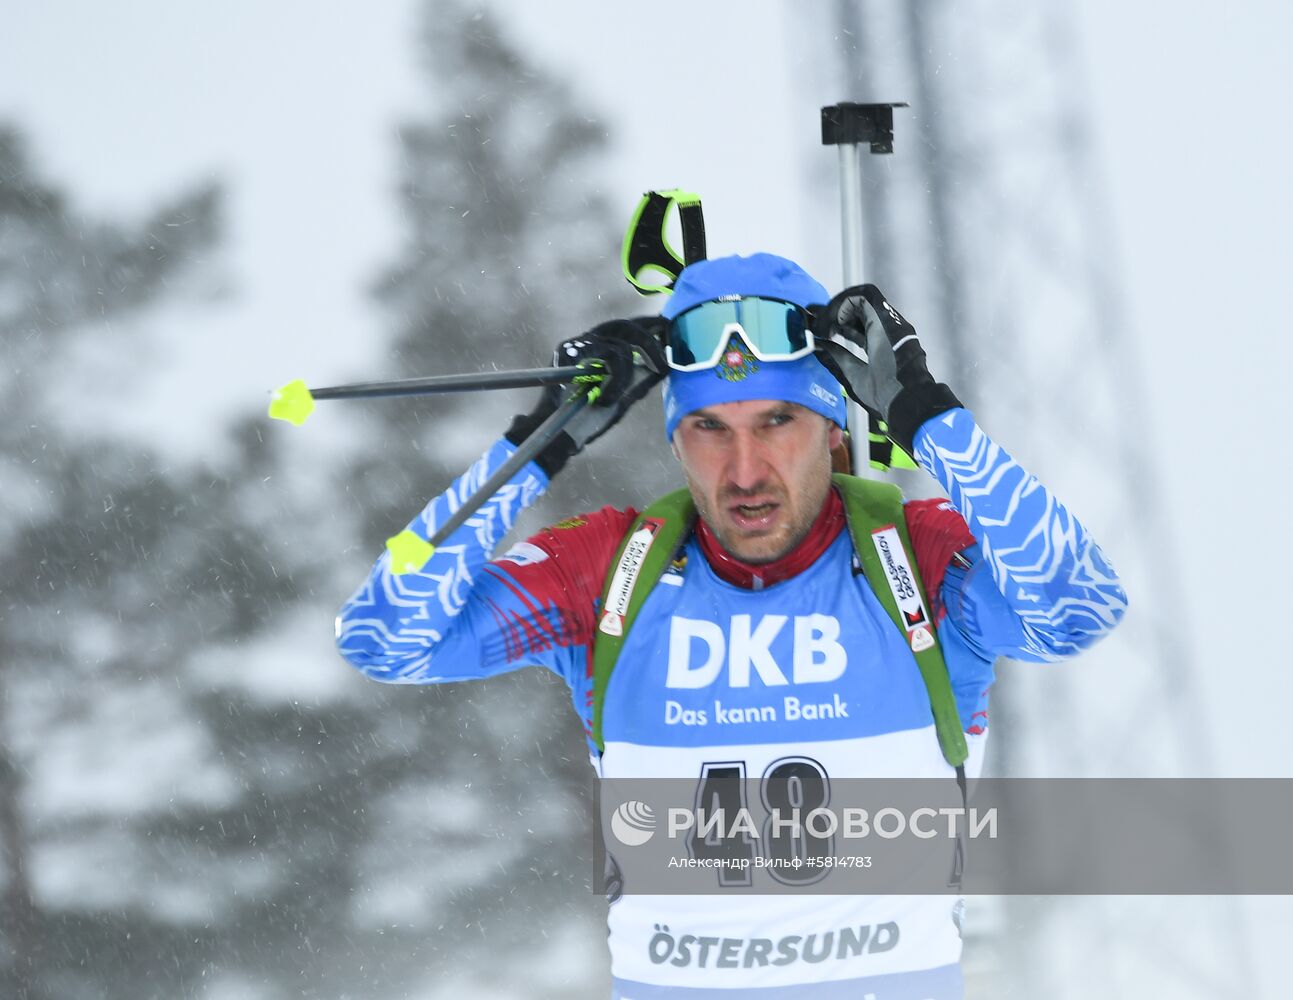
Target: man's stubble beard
818	481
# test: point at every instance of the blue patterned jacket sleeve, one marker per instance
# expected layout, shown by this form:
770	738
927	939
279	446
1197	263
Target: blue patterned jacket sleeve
1051	592
417	628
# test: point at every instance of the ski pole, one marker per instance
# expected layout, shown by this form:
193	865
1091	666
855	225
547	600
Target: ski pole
409	552
294	402
847	126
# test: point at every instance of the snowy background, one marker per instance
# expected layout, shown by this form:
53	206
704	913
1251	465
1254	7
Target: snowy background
201	202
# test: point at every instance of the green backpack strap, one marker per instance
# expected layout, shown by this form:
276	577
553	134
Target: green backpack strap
643	555
879	531
878	527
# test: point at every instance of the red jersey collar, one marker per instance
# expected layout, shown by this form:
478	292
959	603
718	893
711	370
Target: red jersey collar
829	523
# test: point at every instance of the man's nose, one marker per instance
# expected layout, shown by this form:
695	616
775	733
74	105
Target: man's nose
748	466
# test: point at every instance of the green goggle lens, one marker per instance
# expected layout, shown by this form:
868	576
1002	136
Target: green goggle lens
773	330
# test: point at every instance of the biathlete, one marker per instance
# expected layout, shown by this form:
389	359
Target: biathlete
772	612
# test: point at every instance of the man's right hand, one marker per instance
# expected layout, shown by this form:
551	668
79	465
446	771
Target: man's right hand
629	355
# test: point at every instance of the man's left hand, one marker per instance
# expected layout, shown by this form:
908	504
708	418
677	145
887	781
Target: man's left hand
893	382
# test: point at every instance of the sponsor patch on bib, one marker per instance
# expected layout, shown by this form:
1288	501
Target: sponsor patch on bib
626	577
902	584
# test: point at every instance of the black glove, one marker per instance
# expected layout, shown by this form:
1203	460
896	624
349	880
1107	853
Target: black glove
893	383
629	354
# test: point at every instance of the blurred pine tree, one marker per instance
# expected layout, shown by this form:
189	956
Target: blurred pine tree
107	576
478	856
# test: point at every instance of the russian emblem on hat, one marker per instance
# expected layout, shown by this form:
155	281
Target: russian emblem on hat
737	363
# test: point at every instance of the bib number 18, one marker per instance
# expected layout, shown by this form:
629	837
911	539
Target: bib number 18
790	789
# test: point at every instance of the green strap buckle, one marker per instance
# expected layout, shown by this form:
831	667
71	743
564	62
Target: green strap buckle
883	453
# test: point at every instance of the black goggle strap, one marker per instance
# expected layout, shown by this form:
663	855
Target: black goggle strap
646	255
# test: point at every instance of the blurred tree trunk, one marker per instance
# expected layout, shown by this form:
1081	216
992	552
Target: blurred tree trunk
19	916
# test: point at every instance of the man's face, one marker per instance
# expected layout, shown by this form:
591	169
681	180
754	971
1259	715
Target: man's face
759	472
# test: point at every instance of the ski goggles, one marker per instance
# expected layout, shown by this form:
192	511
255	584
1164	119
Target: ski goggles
773	331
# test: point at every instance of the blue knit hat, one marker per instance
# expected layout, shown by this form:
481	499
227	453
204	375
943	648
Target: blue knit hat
804	380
